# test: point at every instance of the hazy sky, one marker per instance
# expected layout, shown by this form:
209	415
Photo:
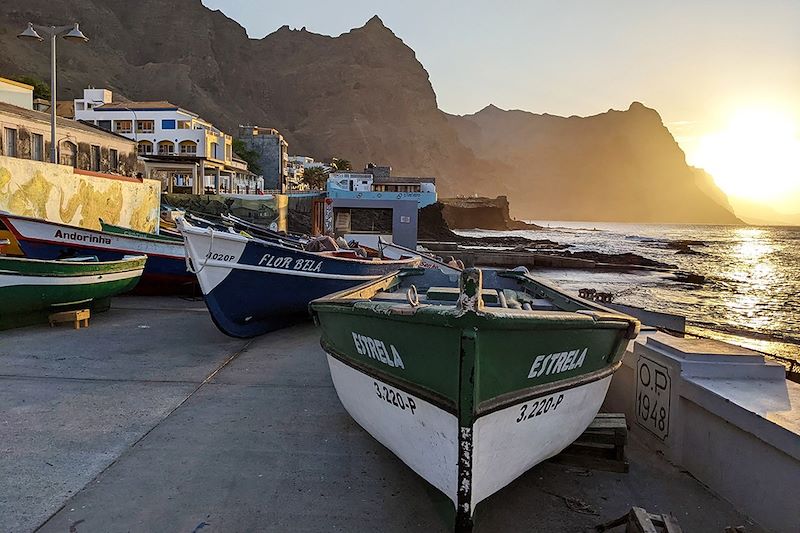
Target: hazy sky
697	62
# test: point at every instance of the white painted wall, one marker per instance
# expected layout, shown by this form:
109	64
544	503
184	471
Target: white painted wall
202	133
733	421
16	94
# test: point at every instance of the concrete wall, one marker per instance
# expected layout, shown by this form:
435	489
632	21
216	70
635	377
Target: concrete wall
15	93
730	419
404	217
58	194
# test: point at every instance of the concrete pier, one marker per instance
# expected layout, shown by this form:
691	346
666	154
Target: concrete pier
152	420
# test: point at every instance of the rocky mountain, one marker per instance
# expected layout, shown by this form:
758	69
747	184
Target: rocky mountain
615	166
364	96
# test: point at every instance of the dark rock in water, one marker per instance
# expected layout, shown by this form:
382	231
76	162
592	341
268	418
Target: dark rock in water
689	251
689	277
617	259
685	246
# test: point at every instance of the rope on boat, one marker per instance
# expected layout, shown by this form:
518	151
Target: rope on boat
189	265
412	296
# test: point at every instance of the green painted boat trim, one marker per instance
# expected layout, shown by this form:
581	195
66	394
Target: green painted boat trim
119	230
405	385
500	331
546	389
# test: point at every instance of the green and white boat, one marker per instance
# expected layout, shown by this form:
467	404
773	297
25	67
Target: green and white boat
471	378
31	289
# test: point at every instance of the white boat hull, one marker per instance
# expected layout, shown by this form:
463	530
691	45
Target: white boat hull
502	448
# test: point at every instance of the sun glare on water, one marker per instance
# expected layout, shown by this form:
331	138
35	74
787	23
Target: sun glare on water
756	157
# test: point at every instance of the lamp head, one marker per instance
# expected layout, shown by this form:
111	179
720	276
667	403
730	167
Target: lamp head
30	34
76	35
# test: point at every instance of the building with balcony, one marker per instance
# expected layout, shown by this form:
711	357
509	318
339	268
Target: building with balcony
187	153
273	154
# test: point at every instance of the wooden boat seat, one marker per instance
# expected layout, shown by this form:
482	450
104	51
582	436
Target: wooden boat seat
450	294
518	300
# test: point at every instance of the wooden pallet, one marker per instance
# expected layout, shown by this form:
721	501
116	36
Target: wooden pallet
600	447
79	317
638	520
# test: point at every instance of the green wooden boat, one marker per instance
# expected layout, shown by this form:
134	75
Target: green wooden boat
470	378
31	289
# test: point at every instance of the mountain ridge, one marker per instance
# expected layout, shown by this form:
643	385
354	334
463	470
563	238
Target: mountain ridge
362	95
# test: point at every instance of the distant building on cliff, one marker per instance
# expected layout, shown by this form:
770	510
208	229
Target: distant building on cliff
273	154
377	183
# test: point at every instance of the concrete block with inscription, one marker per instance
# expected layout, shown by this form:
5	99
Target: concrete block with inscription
706	405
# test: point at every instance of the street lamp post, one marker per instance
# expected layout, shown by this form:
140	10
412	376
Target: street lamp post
70	32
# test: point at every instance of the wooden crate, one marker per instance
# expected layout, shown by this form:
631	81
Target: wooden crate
601	446
79	317
638	520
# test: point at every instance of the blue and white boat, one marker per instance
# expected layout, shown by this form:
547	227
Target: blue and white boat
164	272
253	286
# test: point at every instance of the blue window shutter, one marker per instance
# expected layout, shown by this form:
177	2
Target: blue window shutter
168	124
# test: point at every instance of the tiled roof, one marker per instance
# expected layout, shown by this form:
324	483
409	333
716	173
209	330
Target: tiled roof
115	106
65	108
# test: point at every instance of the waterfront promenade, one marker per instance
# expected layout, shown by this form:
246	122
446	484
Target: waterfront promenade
152	420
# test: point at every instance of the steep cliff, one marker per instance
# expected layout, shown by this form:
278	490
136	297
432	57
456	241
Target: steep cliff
480	212
364	96
615	166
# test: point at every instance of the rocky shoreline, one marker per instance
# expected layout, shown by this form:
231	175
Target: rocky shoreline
436	225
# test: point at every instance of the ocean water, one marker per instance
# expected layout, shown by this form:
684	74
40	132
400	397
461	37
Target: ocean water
752	293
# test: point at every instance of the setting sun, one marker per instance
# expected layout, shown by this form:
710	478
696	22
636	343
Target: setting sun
757	156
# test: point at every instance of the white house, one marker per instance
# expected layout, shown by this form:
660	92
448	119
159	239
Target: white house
368	186
194	155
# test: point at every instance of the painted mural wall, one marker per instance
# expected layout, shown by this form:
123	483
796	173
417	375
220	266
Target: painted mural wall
56	193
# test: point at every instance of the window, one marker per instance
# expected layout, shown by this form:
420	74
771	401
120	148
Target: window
166	148
37	147
214	148
95	158
144	126
188	147
113	160
228	152
184	124
145	147
68	154
168	124
122	126
10	142
104	124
